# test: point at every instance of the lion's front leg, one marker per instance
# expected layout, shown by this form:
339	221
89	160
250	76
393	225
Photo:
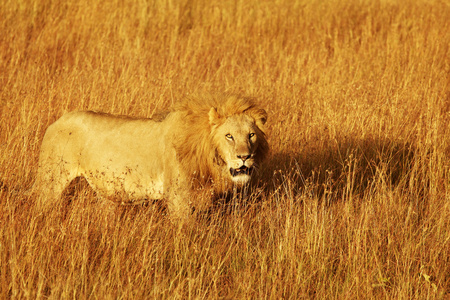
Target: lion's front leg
177	195
179	206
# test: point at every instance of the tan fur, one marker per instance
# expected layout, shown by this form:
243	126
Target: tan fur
213	142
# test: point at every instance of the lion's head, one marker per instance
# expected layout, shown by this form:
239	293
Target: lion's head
222	139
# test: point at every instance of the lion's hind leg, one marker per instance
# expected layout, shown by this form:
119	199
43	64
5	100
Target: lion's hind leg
52	179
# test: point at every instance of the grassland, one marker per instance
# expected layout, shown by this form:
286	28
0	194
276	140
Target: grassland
356	200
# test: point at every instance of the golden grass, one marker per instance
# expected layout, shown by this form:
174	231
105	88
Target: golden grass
356	202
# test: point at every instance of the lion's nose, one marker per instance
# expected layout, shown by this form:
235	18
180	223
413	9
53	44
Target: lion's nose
244	157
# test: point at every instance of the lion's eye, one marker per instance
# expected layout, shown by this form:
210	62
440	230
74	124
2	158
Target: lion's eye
251	135
229	136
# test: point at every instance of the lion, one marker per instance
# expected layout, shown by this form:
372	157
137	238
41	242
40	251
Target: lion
205	142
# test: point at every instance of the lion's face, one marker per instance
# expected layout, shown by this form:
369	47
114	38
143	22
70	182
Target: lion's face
237	141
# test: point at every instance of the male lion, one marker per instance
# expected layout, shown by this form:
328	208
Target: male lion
214	142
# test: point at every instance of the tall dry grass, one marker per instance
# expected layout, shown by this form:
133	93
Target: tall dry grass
355	202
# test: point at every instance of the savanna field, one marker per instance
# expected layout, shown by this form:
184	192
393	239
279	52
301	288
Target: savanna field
353	201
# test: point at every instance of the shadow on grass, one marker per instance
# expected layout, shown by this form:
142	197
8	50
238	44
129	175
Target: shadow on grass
348	165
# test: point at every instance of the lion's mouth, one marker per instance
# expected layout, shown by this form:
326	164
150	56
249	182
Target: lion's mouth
244	170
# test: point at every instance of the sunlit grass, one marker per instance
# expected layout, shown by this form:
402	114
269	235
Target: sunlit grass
353	202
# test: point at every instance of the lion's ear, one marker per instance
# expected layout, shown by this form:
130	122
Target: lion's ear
213	116
263	118
260	116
